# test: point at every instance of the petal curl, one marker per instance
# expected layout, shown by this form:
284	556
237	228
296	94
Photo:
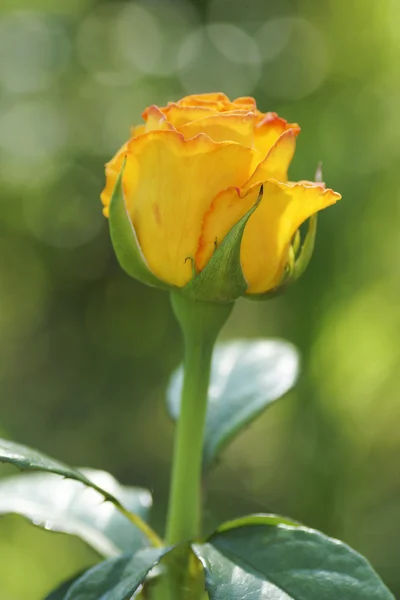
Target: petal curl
219	101
230	205
179	116
192	99
268	131
246	102
227	208
276	164
267	237
169	184
268	234
113	168
155	119
221	128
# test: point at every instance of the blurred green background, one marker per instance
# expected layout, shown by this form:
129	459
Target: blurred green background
85	353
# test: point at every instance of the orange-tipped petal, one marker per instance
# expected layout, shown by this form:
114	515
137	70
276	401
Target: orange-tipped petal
155	119
269	130
227	208
169	184
181	115
199	99
246	102
221	128
195	168
277	162
217	101
267	237
113	168
284	207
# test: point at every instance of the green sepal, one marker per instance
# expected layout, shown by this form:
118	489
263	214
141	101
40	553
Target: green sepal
125	241
222	279
295	267
296	243
306	250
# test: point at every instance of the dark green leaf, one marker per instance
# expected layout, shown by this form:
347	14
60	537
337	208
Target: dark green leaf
246	377
26	458
124	239
222	279
68	506
60	592
116	578
266	562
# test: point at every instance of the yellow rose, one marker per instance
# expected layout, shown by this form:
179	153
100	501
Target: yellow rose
194	169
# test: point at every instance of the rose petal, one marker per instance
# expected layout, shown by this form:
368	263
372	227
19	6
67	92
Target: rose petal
155	119
226	127
113	168
181	115
193	99
246	102
227	208
266	239
169	184
269	129
218	101
138	130
276	163
230	205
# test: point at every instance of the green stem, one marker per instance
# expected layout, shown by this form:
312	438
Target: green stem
201	323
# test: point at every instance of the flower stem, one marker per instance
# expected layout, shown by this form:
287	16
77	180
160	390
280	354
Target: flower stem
201	323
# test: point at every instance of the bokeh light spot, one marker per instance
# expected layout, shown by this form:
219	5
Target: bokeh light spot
99	48
145	40
139	37
219	57
346	140
302	65
31	130
273	37
33	51
234	43
247	13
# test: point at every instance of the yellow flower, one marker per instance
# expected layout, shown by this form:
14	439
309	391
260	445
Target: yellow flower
194	169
